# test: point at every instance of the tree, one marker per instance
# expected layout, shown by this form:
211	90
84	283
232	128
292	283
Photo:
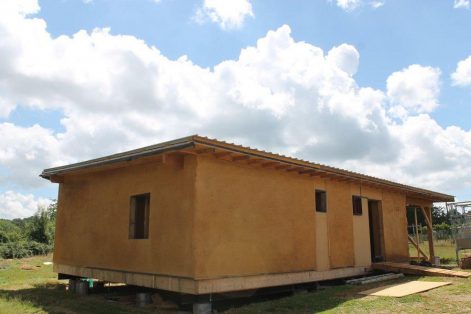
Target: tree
9	232
439	216
41	227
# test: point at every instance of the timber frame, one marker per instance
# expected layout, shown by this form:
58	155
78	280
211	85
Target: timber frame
427	213
208	286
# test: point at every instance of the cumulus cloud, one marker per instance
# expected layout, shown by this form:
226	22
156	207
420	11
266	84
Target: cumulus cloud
282	95
414	89
461	4
345	57
17	205
462	74
24	151
227	14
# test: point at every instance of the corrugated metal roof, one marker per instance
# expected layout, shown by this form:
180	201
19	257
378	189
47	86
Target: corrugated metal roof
196	140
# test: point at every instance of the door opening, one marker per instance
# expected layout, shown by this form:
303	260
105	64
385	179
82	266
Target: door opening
376	231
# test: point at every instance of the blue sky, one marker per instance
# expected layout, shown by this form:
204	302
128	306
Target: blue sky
366	85
388	38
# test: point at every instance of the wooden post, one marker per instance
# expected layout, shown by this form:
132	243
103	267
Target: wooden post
416	246
416	233
428	219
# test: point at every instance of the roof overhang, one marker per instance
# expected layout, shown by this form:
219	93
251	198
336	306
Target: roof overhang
198	145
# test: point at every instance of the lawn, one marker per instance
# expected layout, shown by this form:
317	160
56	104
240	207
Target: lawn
455	298
445	249
36	290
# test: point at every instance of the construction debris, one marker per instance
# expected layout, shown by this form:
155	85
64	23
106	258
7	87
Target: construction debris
372	279
401	290
466	262
418	270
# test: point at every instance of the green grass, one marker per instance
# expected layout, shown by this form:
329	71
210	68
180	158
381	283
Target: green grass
445	249
345	299
38	291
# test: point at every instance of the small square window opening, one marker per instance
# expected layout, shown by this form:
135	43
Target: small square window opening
321	201
357	207
139	216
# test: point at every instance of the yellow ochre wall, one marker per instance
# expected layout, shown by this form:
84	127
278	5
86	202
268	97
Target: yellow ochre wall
217	218
395	227
254	220
251	220
93	219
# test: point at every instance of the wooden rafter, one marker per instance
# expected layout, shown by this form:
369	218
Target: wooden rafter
282	167
253	161
239	158
57	178
326	175
268	164
294	169
205	151
221	154
307	171
188	151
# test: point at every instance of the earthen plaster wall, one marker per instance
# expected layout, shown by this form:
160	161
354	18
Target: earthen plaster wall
258	220
216	218
93	219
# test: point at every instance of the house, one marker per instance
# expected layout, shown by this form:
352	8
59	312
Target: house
200	216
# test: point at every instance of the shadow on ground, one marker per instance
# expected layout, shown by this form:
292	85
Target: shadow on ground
53	298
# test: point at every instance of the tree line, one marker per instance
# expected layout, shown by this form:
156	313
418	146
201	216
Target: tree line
23	237
35	235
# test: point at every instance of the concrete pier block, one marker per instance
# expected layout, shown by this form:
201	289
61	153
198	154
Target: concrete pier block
202	308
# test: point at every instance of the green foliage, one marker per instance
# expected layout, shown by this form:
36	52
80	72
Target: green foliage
20	249
439	216
9	232
443	227
41	227
29	236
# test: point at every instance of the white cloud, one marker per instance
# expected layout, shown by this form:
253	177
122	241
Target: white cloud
281	95
462	74
24	151
376	4
17	205
461	4
414	89
227	14
345	57
350	5
20	8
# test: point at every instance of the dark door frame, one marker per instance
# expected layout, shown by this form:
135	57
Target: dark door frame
375	222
